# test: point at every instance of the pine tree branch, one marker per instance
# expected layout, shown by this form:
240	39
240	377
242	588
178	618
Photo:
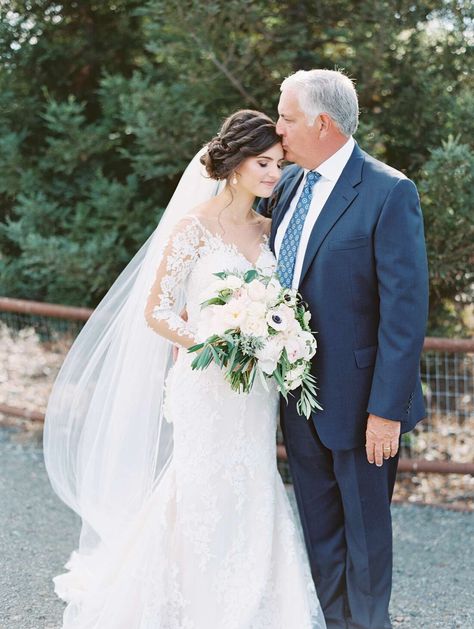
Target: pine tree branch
225	71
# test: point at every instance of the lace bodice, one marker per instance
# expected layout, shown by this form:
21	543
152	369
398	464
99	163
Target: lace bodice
193	254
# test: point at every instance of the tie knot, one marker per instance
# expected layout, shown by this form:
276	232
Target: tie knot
312	177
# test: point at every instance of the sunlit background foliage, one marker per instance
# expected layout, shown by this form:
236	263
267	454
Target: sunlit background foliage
102	104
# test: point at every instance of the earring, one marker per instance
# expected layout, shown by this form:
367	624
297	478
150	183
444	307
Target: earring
234	180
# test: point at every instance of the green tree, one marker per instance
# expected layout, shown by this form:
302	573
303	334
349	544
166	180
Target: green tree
447	188
73	209
103	103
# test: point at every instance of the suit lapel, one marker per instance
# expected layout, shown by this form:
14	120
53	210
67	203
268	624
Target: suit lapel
289	190
339	200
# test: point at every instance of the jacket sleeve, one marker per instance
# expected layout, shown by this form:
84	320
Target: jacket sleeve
402	276
265	206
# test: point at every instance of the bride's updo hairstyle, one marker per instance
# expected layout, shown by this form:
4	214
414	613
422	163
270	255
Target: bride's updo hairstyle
246	133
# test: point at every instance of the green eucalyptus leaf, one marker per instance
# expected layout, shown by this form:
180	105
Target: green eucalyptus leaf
250	275
214	301
195	348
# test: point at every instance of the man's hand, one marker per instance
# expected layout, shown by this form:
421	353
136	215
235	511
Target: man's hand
381	439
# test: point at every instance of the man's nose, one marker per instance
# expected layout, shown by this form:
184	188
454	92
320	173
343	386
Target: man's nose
279	127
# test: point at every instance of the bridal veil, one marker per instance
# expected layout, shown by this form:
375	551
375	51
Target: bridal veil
106	443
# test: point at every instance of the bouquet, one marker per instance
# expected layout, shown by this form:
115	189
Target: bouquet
253	327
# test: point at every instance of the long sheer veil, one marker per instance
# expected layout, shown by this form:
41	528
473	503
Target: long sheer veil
106	443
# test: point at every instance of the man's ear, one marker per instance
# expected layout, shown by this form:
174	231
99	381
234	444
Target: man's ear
325	123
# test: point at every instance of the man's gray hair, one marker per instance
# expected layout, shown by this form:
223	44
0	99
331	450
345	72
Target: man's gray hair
326	91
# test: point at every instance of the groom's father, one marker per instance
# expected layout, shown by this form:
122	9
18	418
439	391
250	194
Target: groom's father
348	232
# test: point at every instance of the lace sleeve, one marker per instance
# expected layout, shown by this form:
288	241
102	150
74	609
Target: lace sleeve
179	257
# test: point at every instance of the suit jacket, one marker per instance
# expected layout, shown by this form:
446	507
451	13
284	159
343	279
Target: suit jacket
365	279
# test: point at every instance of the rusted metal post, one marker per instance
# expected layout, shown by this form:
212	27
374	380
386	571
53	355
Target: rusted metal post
456	346
24	413
414	465
22	306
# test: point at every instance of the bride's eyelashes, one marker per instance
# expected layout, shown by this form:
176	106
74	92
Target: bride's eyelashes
264	164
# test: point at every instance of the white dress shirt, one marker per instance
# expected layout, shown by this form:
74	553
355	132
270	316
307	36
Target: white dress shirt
330	171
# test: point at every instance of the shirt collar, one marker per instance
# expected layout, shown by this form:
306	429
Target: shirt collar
332	168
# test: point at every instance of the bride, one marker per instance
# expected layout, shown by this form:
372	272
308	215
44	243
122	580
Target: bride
185	520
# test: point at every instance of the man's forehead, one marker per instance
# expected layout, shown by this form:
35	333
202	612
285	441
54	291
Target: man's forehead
288	102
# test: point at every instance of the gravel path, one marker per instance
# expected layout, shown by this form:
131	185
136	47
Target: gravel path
433	576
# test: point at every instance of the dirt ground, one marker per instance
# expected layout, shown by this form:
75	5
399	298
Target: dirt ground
433	578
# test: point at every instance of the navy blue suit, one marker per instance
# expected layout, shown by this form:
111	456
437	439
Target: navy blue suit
365	280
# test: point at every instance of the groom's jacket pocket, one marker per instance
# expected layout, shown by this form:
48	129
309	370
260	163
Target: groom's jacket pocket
349	243
365	357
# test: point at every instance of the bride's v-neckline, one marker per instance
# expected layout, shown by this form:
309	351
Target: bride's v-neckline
232	245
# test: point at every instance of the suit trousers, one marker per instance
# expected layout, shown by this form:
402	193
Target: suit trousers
344	506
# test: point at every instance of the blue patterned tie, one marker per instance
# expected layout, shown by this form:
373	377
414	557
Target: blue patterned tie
292	236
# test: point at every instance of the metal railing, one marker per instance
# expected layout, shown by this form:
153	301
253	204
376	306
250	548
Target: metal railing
443	443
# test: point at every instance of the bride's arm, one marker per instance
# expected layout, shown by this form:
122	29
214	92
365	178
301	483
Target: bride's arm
178	259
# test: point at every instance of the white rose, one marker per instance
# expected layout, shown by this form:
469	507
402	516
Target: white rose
294	327
295	348
273	290
269	355
253	326
255	323
232	282
256	290
309	343
210	291
233	314
257	309
221	322
206	327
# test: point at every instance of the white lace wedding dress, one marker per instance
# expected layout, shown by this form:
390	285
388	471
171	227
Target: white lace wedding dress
216	546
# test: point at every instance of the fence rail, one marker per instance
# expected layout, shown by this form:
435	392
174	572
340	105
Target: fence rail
22	306
443	443
42	309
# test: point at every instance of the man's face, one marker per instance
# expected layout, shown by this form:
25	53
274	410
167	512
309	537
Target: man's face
299	140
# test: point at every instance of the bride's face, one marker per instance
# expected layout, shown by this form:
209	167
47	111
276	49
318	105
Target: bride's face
260	174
